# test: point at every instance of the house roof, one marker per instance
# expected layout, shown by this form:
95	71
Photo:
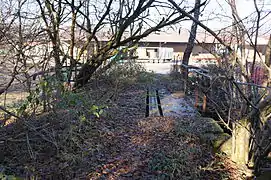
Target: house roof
201	37
231	39
175	37
169	36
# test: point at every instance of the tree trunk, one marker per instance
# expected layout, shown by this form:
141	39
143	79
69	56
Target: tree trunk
85	74
268	53
72	43
240	141
191	42
268	61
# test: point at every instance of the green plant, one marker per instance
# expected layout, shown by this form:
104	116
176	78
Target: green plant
4	176
159	162
32	100
97	110
81	104
50	93
126	73
43	94
146	77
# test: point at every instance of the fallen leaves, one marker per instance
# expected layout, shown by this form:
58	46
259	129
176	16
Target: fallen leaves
120	145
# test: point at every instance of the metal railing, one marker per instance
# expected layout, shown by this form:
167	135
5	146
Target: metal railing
211	90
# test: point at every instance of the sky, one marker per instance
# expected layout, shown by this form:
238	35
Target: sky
217	14
218	11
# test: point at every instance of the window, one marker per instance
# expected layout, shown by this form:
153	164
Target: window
147	53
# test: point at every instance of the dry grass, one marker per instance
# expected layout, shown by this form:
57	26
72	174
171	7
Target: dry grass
12	97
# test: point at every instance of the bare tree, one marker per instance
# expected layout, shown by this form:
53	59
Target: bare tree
19	31
52	15
128	17
191	40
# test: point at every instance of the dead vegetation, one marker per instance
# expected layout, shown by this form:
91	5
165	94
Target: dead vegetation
72	142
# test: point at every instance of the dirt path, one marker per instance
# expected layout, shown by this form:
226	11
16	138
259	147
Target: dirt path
154	147
144	148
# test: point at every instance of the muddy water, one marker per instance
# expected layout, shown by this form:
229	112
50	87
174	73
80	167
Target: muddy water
176	105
